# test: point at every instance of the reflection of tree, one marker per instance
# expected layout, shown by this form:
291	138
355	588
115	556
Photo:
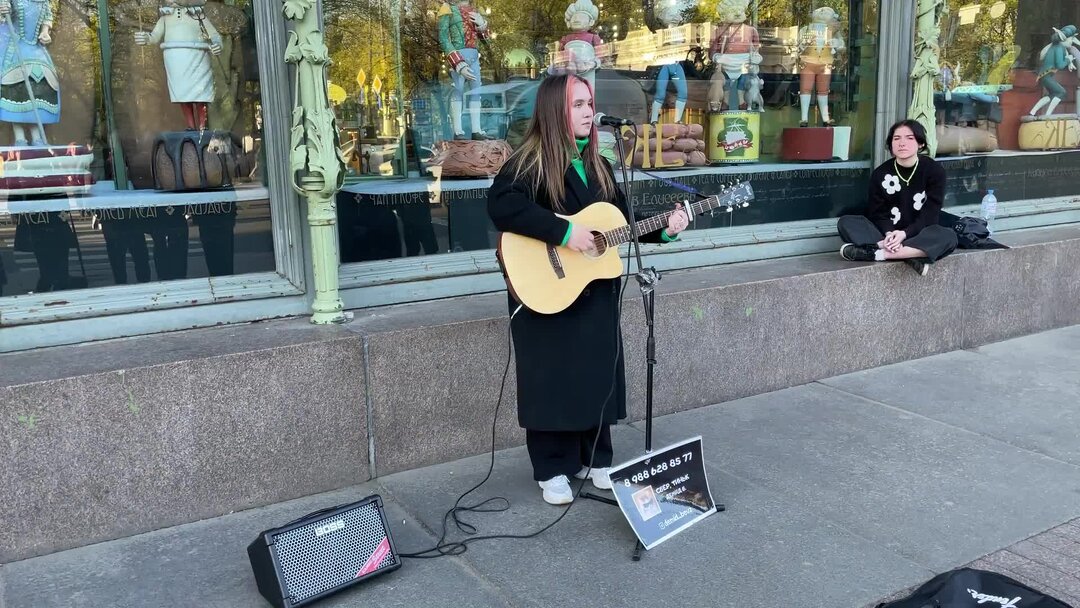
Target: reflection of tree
979	45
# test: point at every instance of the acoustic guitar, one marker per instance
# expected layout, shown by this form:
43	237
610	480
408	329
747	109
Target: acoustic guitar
547	279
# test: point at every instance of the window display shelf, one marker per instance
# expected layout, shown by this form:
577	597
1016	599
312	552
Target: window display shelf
104	195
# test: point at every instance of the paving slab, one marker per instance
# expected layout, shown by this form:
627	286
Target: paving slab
205	564
931	492
1029	397
765	550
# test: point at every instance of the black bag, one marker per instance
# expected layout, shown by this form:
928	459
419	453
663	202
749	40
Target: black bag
971	232
970	588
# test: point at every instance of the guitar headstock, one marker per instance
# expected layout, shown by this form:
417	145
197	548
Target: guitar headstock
735	196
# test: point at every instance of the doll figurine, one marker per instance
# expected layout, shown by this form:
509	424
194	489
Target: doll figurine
1055	56
671	14
734	51
187	39
29	87
461	30
819	44
581	44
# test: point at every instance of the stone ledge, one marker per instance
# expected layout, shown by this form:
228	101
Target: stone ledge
111	439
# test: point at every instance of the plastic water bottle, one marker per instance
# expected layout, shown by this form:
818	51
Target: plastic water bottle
988	209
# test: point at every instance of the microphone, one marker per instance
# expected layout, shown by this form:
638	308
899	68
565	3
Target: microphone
603	120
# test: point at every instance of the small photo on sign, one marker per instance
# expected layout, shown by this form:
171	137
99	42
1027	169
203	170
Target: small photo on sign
646	503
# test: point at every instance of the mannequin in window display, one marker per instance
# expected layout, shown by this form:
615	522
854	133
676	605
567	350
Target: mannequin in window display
1055	56
1049	130
461	29
671	14
581	44
734	51
819	46
187	39
23	36
29	100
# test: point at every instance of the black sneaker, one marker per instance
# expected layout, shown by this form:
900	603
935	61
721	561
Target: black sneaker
921	266
858	253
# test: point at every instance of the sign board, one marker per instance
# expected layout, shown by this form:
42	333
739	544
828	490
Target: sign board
664	492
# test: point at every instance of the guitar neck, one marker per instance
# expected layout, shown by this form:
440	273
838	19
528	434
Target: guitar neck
656	222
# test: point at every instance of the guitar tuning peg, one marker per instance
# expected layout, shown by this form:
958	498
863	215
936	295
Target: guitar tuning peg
746	204
729	209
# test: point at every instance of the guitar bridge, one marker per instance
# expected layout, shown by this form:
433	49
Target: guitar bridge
556	262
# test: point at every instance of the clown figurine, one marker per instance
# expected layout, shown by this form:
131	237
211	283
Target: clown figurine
24	32
580	44
734	51
187	39
461	29
819	44
1055	56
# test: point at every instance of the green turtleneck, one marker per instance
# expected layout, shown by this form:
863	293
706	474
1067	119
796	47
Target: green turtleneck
577	162
579	166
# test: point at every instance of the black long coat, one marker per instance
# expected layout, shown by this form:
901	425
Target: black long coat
570	362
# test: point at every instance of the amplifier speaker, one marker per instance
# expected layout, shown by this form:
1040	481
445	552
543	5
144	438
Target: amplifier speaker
322	553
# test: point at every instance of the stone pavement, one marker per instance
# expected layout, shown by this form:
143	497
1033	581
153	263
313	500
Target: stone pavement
839	493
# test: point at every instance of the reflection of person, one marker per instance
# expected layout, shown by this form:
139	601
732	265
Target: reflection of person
169	232
218	239
461	28
819	44
646	503
123	235
417	232
734	50
569	364
26	64
50	237
187	39
906	194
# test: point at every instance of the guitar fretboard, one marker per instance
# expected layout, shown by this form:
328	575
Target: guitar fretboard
732	198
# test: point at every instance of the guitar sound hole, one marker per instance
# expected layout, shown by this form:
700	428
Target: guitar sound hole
601	244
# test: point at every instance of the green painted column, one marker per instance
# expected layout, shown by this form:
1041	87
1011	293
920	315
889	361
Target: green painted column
315	159
926	68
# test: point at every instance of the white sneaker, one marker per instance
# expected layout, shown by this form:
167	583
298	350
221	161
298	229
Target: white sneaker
557	490
598	476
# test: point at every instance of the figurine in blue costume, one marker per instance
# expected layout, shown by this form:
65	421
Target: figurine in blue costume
29	87
1055	56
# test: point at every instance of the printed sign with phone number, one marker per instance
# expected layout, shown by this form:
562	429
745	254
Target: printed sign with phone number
663	492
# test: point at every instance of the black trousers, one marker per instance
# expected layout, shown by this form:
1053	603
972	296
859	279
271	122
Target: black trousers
936	241
170	235
564	452
123	236
216	233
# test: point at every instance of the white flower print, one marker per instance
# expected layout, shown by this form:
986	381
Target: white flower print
895	215
891	183
920	198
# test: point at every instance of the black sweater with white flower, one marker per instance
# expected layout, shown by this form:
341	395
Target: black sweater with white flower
909	204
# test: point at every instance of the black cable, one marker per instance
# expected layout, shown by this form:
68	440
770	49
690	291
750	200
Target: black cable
442	547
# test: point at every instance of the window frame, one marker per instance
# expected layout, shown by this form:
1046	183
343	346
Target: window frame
80	315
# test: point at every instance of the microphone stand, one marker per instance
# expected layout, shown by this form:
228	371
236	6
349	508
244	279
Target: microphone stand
647	279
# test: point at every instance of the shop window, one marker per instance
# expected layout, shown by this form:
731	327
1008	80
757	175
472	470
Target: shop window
131	144
778	92
1006	96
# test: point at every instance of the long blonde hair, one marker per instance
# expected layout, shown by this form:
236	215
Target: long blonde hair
549	144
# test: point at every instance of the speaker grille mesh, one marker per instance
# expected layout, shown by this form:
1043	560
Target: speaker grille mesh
312	564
